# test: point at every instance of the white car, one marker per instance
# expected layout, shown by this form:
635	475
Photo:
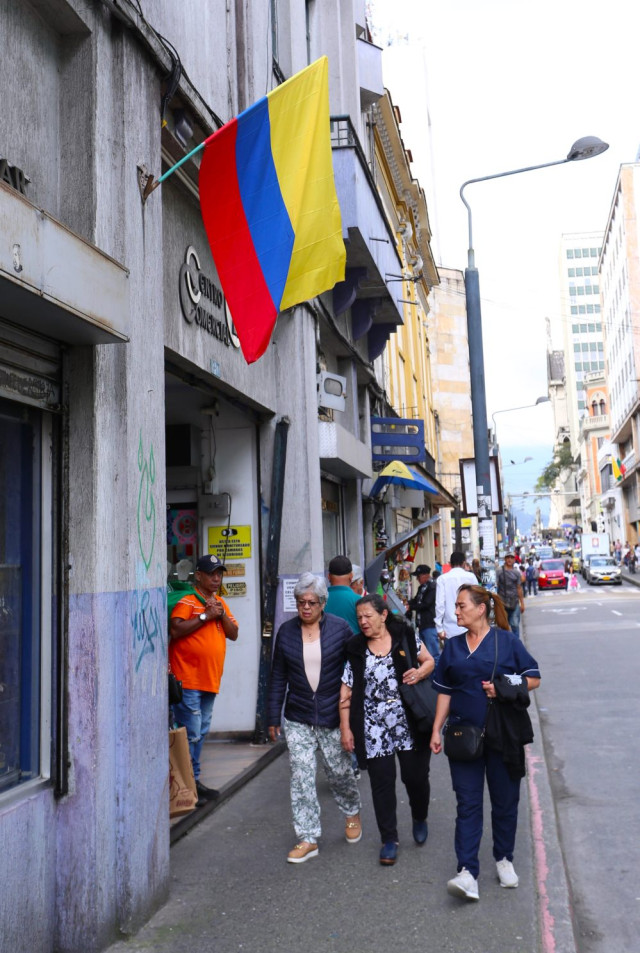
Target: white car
603	569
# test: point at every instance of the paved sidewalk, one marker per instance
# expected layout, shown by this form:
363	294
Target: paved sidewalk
232	889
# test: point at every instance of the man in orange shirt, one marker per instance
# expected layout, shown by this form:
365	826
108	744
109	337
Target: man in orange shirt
200	625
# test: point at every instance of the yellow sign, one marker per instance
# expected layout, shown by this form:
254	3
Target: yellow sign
465	521
230	542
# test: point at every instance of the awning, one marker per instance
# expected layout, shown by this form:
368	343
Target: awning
373	570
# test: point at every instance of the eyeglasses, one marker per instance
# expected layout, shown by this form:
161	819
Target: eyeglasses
306	603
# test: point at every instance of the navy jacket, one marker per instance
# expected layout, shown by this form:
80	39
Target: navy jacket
288	676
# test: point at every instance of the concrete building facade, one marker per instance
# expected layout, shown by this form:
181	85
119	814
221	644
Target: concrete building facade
620	279
135	437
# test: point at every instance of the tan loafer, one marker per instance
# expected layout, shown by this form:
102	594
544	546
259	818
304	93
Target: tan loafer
353	829
301	852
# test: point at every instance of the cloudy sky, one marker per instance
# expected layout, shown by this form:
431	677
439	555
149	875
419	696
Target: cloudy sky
486	86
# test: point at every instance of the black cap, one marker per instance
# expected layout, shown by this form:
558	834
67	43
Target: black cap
209	564
340	566
421	570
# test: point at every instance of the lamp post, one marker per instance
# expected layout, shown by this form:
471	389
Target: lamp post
584	148
508	410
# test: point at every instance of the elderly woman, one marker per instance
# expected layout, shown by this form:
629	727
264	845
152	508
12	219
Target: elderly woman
483	664
375	722
307	668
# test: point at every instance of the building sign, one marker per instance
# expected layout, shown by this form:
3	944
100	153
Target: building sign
203	303
232	589
13	176
230	542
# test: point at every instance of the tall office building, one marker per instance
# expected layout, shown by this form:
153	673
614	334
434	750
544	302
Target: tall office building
582	336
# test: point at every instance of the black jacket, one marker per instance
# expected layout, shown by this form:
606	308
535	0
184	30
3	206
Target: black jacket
356	655
508	723
288	676
424	605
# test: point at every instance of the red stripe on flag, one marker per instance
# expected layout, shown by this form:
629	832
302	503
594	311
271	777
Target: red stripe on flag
252	309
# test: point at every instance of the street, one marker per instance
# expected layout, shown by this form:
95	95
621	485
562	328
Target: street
587	646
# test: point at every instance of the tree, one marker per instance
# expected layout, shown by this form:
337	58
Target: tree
562	460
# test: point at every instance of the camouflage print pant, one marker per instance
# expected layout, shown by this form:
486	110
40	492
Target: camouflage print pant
303	741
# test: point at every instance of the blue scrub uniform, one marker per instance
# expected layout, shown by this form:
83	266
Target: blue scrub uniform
460	673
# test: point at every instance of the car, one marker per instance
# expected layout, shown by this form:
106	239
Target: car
602	569
544	552
587	559
561	547
551	575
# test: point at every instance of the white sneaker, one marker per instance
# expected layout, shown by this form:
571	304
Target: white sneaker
464	885
506	874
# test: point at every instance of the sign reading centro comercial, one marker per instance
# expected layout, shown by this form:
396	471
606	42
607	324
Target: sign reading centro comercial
203	302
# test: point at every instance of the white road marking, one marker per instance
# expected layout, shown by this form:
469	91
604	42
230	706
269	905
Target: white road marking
615	612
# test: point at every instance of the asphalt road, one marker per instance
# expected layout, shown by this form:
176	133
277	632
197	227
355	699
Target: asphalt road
588	647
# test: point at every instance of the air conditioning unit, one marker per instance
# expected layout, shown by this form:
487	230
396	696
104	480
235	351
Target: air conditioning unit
332	390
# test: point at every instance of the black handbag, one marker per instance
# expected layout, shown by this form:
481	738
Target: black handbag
466	742
420	698
175	690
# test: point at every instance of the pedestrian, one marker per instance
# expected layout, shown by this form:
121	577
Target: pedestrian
446	593
476	569
357	582
485	663
424	606
376	724
342	599
509	588
532	578
308	662
199	628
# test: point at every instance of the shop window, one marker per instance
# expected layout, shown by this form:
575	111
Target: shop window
26	531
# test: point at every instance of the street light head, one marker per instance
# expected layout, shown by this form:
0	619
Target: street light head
542	400
526	459
586	148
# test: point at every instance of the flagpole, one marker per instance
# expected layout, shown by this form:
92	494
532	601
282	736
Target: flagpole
154	183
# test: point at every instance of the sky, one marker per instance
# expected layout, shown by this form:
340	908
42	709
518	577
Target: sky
485	86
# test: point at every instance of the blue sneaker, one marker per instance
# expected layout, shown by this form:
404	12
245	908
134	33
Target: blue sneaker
388	853
420	831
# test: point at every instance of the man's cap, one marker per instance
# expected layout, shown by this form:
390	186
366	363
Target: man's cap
510	556
340	566
421	570
209	563
357	573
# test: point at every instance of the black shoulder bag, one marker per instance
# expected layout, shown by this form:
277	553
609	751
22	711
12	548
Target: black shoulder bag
466	742
420	697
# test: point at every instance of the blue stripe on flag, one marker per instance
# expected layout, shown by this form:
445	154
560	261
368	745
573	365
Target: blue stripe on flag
264	208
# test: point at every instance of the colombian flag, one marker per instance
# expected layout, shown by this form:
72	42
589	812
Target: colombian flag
270	208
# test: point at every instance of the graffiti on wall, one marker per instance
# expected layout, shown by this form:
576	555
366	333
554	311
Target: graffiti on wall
148	605
146	514
148	612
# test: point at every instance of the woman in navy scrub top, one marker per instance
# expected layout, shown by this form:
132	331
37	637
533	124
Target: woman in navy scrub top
462	679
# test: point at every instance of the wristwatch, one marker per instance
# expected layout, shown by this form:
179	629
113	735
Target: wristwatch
203	617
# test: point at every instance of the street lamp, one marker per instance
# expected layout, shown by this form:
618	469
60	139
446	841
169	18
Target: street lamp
507	410
584	148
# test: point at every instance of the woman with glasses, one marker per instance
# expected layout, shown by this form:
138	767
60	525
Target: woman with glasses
307	667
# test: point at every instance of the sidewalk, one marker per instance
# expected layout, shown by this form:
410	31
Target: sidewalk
226	765
233	891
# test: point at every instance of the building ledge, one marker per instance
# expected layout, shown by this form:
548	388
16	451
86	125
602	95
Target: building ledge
341	453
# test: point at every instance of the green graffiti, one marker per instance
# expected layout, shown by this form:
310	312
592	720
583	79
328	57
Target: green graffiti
146	505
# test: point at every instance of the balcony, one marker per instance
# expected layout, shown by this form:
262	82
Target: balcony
341	453
376	310
599	422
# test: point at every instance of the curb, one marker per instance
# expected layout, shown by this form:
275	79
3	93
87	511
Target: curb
555	911
186	823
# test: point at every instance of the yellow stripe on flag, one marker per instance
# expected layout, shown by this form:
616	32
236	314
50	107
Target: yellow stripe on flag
301	147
